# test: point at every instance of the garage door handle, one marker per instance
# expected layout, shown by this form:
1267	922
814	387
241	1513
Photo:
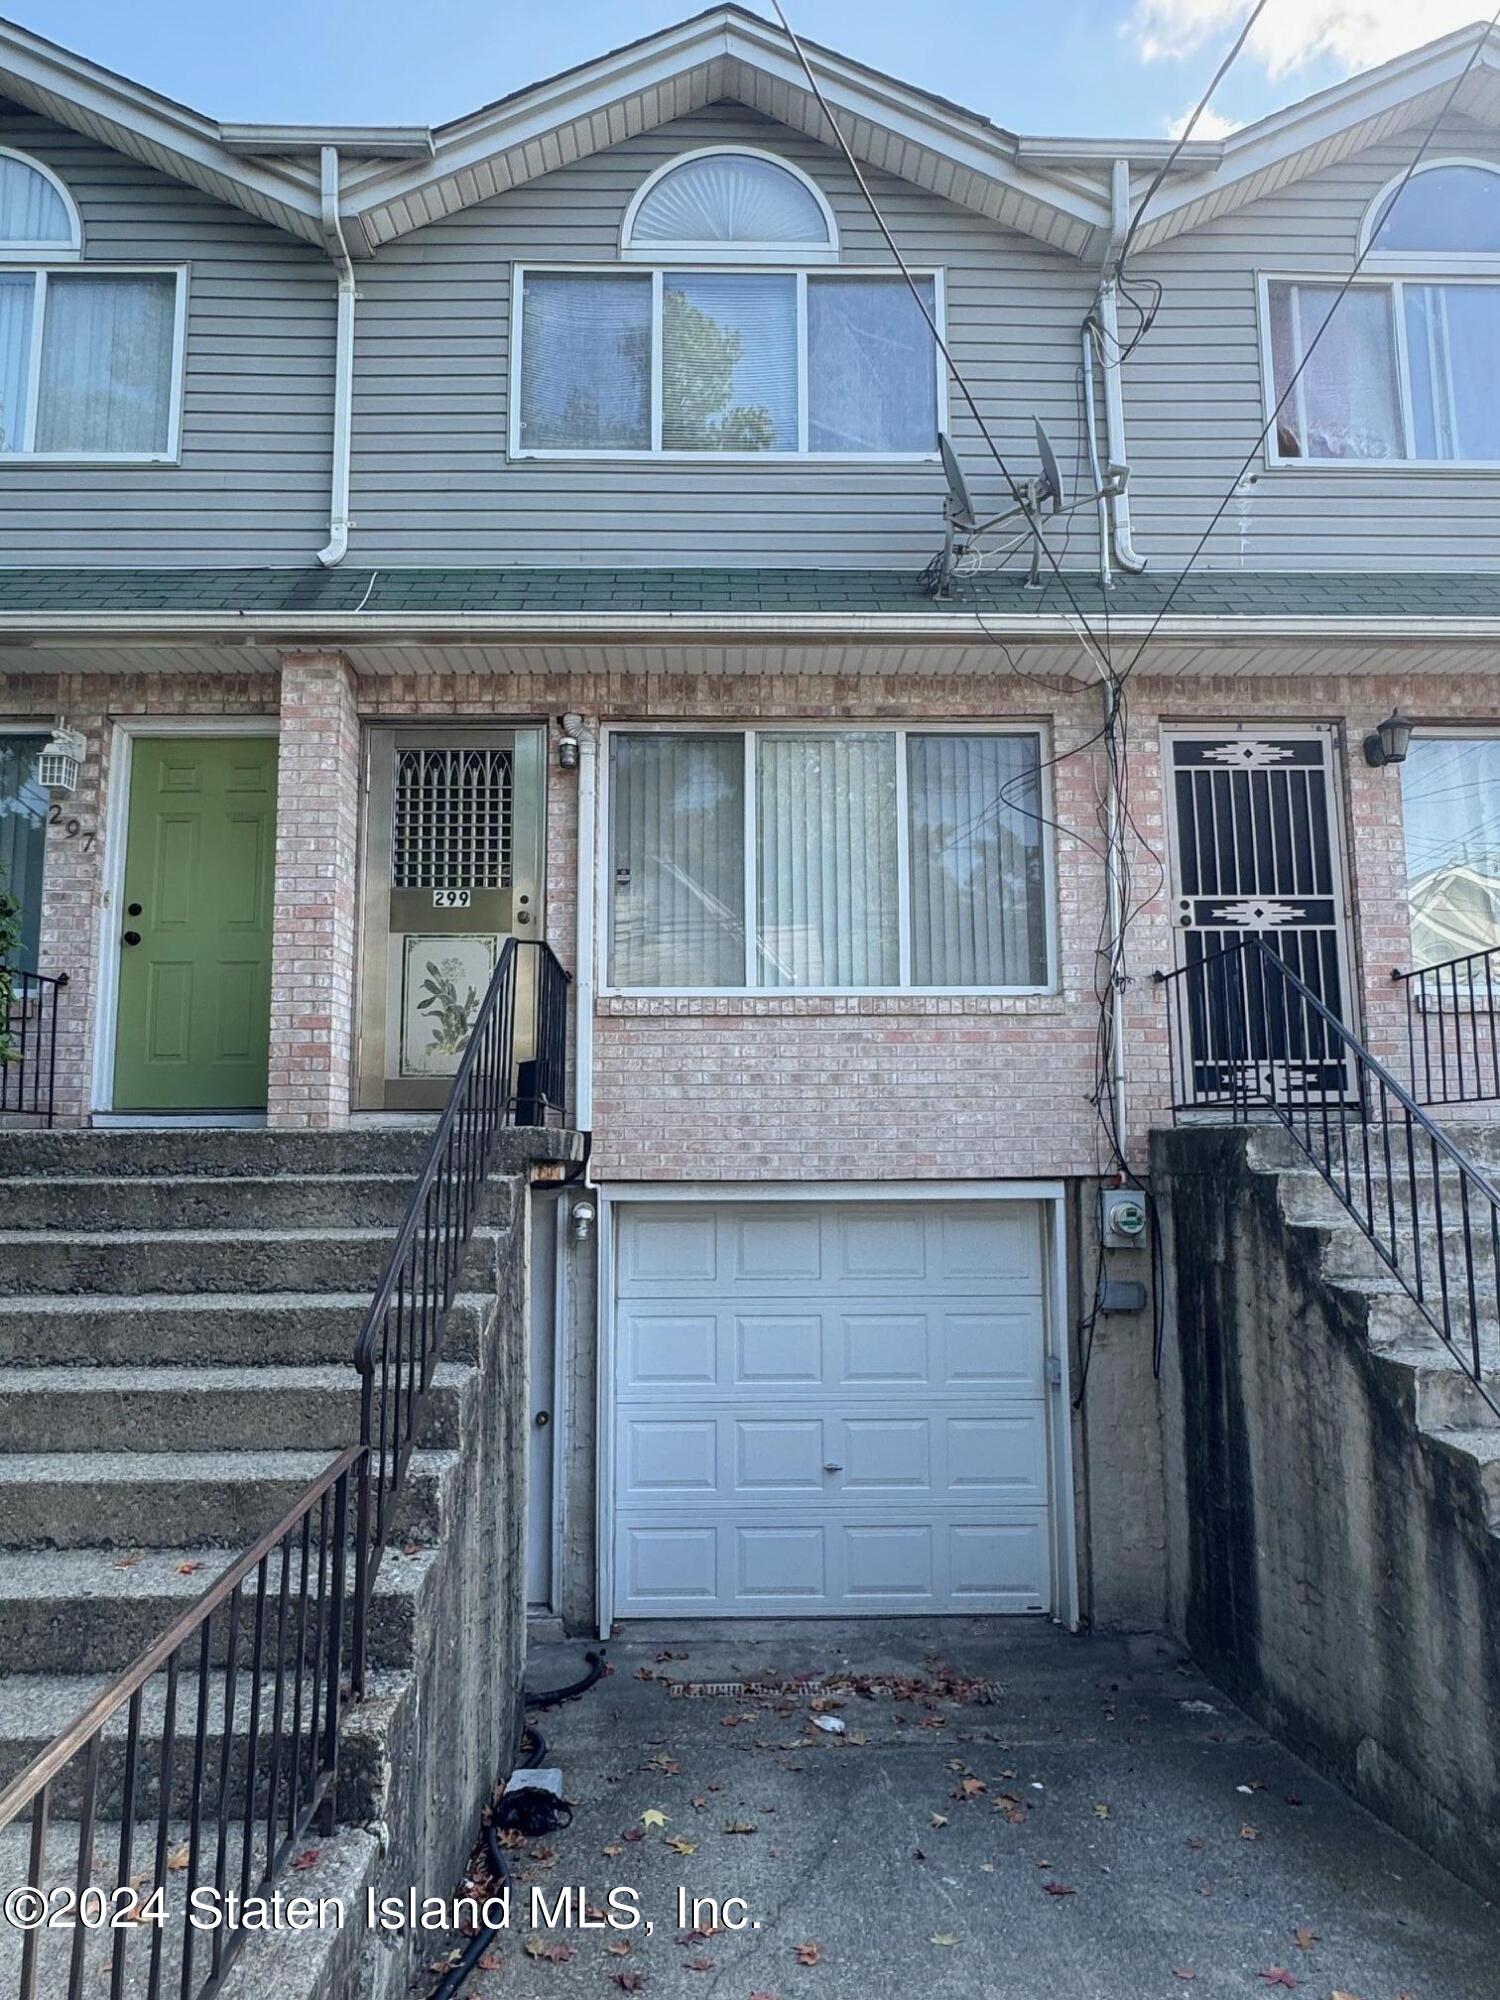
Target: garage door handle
828	1466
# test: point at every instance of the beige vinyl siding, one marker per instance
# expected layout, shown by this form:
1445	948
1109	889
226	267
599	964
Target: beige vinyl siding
1194	399
252	483
431	479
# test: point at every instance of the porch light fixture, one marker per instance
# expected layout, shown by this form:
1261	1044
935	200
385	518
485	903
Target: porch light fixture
567	753
1389	743
58	766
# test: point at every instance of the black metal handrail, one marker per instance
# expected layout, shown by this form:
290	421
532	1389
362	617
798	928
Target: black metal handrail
1452	1035
497	1084
257	1663
1246	1032
28	1031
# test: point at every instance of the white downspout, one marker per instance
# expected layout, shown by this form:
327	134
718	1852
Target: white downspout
1107	310
583	949
343	360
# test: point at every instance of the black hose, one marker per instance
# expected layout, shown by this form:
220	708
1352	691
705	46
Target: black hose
534	1749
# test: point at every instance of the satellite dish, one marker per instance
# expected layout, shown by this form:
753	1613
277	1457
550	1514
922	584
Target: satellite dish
960	506
1050	491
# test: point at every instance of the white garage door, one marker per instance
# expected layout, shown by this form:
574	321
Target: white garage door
830	1407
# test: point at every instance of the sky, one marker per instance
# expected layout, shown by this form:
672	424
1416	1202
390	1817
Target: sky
1104	67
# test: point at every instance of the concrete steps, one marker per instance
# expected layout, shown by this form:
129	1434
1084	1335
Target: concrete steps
187	1201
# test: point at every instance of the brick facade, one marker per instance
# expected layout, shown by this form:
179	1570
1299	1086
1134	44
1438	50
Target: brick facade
752	1087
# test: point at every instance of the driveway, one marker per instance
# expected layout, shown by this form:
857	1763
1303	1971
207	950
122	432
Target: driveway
1007	1811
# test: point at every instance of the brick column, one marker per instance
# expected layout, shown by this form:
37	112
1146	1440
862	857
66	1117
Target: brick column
312	952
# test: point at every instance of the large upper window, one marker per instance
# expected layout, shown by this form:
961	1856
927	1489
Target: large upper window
780	860
1450	802
1398	367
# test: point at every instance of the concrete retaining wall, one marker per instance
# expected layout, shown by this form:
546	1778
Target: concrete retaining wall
1330	1564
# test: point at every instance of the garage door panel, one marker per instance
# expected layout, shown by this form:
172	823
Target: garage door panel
663	1350
776	1455
782	1349
849	1414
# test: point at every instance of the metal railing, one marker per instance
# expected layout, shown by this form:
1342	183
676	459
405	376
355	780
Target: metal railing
1452	1035
28	1031
399	1344
221	1740
1245	1034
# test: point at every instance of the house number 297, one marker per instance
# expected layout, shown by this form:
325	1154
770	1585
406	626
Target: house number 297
72	828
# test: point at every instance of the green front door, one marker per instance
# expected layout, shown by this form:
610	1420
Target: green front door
195	925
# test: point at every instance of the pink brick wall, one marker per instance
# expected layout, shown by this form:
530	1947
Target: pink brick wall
729	1087
317	842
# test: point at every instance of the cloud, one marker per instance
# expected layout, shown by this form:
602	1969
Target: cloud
1290	34
1212	125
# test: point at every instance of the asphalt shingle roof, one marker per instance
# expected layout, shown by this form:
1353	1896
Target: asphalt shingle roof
1206	593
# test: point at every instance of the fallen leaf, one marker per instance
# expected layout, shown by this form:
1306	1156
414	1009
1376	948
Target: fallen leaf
939	1819
491	1962
739	1826
630	1982
807	1954
1057	1889
619	1949
1339	1994
177	1860
697	1965
553	1951
680	1846
1183	1972
1249	1833
1101	1811
943	1939
189	1568
1277	1975
611	1851
970	1788
1303	1938
127	1562
308	1858
651	1817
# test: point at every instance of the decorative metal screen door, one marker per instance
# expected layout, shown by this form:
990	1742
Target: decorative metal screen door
1255	851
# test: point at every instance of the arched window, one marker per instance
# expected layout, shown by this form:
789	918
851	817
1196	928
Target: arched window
724	205
1397	367
37	215
1445	211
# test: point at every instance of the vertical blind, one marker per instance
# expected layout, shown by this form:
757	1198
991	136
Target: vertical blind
17	295
827	860
978	901
31	209
826	852
677	896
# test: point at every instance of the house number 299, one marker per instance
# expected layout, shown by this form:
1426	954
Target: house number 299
450	899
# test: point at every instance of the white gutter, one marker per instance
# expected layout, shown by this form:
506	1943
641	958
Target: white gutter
1106	309
343	359
583	949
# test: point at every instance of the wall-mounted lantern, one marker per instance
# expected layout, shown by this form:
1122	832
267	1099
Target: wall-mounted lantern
58	766
1390	742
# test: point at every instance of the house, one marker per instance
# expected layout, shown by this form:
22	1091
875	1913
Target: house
528	527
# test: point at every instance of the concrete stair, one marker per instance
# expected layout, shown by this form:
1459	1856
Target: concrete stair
1439	1396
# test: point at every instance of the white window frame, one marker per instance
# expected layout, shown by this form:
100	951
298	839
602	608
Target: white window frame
717	251
33	249
658	271
796	726
1392	282
1418	261
40	268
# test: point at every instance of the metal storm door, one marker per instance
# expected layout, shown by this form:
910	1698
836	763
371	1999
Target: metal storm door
452	867
1255	851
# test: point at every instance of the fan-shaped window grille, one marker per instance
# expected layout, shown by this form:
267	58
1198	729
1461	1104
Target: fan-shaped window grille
1448	210
452	823
731	205
35	213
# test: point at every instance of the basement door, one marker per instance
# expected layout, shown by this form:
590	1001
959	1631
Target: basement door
830	1408
1255	851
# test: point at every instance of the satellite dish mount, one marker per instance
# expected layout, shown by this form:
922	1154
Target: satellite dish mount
973	543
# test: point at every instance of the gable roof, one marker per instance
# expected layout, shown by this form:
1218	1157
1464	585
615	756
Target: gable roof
396	179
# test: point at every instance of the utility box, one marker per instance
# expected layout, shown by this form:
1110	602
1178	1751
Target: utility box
1122	1218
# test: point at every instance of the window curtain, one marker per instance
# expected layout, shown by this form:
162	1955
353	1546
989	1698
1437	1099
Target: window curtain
586	362
826	860
871	381
978	902
1345	403
17	297
31	209
1450	797
677	860
729	363
106	380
